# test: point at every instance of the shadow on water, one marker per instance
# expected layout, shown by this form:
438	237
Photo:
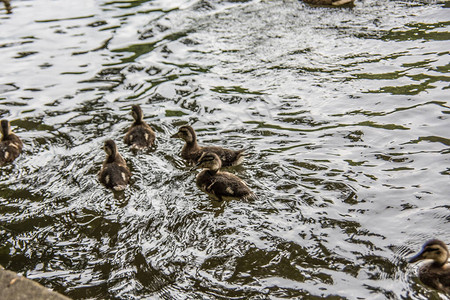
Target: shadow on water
343	112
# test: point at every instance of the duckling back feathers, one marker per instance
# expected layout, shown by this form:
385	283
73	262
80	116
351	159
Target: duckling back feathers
10	144
114	173
115	177
140	135
220	184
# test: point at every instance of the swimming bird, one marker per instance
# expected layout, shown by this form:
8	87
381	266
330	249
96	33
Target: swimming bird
435	274
114	173
330	2
7	6
218	184
10	144
192	151
140	135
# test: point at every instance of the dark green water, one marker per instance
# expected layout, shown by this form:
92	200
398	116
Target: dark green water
344	112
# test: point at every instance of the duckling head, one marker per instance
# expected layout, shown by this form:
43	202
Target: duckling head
137	114
186	133
433	249
209	160
110	148
5	127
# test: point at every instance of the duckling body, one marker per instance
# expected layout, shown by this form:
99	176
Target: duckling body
7	6
218	184
192	151
114	173
435	274
10	144
140	135
330	2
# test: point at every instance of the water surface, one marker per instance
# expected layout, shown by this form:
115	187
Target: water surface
343	112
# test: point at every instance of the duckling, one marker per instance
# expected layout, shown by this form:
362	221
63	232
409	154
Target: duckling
220	184
10	144
192	151
7	6
140	135
330	2
435	274
114	173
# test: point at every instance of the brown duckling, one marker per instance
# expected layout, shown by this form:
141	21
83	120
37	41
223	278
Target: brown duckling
218	184
435	274
7	6
192	151
140	135
114	173
10	144
330	2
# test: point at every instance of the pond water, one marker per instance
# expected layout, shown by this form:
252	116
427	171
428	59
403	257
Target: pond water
344	113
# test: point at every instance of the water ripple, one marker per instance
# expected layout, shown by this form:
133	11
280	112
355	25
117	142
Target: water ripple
343	114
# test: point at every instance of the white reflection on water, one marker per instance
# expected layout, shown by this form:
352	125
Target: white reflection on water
343	112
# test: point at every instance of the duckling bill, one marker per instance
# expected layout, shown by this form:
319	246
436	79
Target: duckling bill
114	173
140	135
435	274
10	144
218	184
192	151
